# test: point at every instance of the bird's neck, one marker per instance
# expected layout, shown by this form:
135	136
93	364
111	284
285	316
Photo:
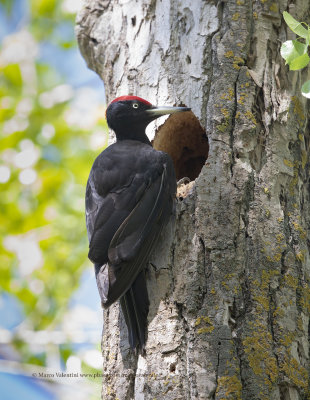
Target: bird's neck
135	134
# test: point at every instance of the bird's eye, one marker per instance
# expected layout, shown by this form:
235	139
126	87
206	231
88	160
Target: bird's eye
135	105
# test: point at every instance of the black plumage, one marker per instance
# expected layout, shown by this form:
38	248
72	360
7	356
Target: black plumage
129	197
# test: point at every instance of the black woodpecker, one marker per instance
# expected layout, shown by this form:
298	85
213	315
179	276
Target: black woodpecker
130	196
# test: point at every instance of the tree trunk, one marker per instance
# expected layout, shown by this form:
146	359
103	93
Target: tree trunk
229	280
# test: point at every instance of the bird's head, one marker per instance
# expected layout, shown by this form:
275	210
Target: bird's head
128	116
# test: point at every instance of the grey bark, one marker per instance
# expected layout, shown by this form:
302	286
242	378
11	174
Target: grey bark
229	280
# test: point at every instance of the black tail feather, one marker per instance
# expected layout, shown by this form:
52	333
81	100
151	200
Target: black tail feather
135	307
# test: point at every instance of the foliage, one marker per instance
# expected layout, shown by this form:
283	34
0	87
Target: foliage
295	52
45	157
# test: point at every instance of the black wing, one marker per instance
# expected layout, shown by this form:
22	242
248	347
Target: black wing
129	199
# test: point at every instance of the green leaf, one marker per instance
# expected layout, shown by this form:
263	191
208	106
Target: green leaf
292	49
305	89
41	8
295	26
12	73
299	62
8	6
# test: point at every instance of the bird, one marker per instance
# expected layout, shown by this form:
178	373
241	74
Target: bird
130	196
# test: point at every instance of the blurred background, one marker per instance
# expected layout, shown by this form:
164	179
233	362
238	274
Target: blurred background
52	128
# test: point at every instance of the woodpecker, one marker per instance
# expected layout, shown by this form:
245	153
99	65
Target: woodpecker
130	196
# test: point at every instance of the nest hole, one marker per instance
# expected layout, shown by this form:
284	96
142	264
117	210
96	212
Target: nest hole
184	139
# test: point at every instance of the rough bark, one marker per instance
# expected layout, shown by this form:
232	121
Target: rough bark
229	281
